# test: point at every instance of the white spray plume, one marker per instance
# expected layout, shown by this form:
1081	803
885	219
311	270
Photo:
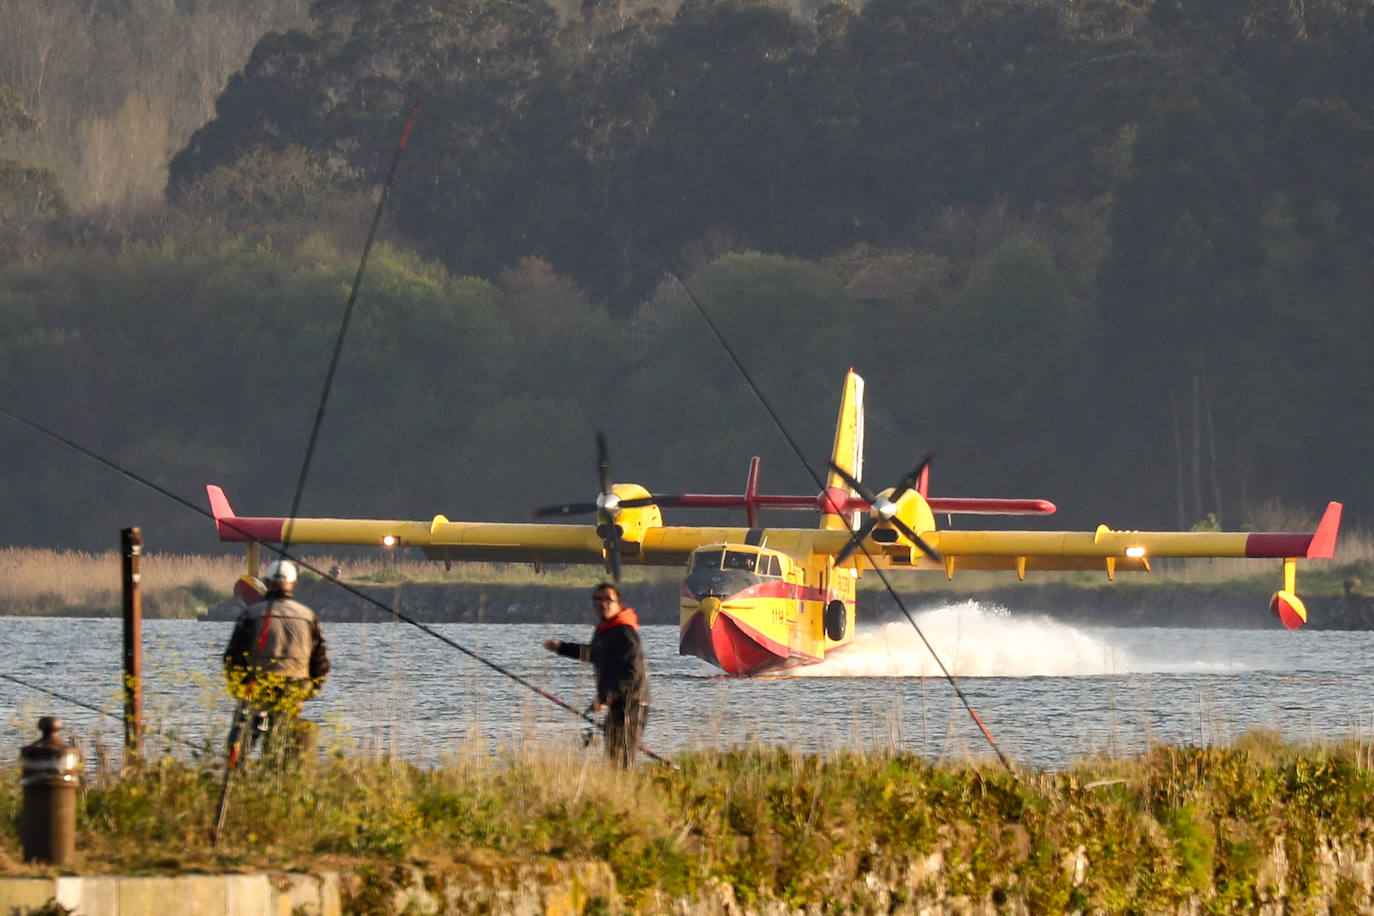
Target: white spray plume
973	640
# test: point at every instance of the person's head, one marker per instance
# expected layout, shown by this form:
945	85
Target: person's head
606	600
280	576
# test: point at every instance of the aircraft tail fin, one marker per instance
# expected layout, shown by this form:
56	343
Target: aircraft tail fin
848	450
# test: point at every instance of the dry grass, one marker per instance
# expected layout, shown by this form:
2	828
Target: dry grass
33	577
1354	548
61	582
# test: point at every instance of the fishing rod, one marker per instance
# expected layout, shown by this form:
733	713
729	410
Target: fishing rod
286	554
238	733
319	419
347	317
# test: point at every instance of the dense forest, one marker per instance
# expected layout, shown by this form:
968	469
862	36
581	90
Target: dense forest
1113	253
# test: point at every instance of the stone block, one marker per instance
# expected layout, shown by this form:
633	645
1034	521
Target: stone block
19	895
311	895
248	895
97	896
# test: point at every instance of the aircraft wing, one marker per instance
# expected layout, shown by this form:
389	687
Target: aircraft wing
670	545
496	542
1105	549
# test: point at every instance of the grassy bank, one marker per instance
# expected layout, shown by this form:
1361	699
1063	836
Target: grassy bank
838	831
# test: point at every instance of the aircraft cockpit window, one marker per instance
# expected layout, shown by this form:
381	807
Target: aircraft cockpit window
738	559
707	559
768	566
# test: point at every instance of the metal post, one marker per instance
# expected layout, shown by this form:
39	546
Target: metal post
50	769
131	540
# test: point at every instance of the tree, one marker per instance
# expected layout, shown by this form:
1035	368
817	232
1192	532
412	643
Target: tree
1178	295
30	196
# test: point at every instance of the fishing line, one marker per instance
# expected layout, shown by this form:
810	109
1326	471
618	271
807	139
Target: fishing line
286	554
104	712
772	415
844	517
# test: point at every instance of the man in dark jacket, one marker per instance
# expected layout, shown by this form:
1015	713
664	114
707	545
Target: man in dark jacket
276	658
622	680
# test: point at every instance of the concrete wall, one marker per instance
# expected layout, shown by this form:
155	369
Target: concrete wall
188	895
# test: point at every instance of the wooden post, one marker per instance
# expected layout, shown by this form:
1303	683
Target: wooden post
131	542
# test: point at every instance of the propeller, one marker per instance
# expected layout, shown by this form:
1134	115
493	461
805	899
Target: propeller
884	509
606	507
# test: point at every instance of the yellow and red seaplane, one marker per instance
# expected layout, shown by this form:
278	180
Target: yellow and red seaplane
758	598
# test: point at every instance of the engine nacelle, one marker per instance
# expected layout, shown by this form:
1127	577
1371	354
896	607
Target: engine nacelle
634	522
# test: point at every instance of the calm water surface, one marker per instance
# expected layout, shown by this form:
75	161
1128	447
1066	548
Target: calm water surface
1049	693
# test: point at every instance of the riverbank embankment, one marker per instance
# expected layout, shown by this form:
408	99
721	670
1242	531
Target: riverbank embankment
1164	604
1259	827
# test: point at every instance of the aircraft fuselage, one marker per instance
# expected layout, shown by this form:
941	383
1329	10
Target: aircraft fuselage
748	609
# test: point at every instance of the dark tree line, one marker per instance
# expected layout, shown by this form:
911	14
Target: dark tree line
1115	253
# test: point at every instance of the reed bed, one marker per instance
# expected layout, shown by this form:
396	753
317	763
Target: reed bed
73	583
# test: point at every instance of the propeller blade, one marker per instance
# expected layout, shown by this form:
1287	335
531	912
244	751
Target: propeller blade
853	484
671	501
912	478
613	553
916	539
569	509
856	538
611	540
603	463
906	483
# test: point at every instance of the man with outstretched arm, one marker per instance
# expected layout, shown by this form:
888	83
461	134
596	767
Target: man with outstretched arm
622	679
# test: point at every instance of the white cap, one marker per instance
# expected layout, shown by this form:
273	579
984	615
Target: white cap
281	572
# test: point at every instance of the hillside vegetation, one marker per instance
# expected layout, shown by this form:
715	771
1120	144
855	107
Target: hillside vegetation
1115	254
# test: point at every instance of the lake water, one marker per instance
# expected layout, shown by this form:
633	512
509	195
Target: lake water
1048	692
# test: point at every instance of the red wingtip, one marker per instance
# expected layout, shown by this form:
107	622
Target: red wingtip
219	503
1323	545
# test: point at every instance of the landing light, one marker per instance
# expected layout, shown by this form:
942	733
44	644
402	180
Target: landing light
1135	552
389	540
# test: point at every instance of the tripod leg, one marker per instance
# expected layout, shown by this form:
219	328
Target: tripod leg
239	742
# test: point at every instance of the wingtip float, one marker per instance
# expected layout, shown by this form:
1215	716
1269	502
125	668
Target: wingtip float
757	598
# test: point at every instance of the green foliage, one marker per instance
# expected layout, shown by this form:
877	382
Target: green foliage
1147	834
265	185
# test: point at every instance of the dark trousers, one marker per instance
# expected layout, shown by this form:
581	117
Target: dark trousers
624	729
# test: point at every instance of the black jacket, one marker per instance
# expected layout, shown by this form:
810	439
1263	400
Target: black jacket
618	656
